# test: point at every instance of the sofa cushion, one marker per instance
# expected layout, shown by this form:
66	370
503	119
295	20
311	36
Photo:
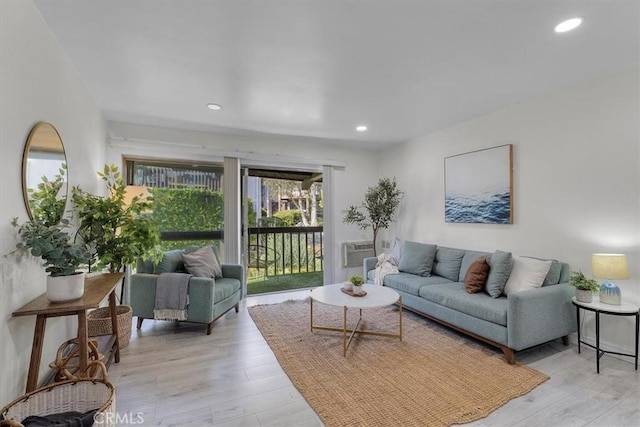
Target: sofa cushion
224	288
500	269
480	305
411	283
171	262
527	273
201	263
468	258
476	277
417	258
447	263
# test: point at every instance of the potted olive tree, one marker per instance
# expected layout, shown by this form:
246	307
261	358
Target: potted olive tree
377	210
44	236
584	287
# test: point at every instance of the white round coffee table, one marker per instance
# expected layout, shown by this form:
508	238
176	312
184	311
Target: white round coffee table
377	296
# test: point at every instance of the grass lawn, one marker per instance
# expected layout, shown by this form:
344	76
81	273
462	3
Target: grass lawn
287	282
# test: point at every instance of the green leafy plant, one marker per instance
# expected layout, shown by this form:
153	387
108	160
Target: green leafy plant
61	256
357	280
579	281
46	205
379	206
122	232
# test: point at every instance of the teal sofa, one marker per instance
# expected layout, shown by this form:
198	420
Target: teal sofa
512	323
208	298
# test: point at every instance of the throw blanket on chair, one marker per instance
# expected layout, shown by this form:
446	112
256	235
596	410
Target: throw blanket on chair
383	267
172	296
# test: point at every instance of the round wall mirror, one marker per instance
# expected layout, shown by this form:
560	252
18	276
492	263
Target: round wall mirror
44	177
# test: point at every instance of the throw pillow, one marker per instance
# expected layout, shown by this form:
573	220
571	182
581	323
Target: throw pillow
553	276
217	266
527	273
394	255
171	262
499	271
417	258
201	262
447	263
476	276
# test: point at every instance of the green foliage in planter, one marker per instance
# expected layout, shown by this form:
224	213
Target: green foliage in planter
357	280
379	206
579	281
46	206
61	256
121	232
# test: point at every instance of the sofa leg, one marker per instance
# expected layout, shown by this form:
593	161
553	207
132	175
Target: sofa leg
237	307
509	355
565	340
140	319
209	327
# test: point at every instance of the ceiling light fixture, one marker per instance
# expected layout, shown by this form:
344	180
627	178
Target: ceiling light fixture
213	107
568	25
361	128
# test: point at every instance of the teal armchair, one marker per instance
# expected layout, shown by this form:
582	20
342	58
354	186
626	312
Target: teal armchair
209	298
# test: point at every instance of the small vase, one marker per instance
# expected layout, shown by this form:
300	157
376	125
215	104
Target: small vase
357	290
583	295
65	288
348	286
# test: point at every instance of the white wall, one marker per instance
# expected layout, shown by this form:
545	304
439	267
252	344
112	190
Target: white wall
38	84
576	169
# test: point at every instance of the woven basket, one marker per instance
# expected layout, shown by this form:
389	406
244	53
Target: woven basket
99	323
80	395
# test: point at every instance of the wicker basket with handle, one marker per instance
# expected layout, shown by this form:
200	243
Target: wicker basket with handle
77	394
99	323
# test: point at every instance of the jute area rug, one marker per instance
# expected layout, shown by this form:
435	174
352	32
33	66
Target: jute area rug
434	377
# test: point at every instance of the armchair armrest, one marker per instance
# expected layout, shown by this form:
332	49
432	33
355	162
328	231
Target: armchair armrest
539	315
233	271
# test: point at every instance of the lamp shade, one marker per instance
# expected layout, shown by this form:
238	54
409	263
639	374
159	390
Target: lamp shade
609	266
135	190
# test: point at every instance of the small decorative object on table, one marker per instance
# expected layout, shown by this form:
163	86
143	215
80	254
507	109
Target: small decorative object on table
357	282
584	287
610	266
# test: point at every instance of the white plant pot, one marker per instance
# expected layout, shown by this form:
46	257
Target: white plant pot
357	290
65	288
583	295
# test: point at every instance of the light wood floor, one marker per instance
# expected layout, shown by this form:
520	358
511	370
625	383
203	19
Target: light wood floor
173	374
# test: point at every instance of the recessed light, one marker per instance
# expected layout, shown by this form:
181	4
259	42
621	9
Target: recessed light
361	128
568	25
213	106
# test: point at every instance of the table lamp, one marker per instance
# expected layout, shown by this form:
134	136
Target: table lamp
608	267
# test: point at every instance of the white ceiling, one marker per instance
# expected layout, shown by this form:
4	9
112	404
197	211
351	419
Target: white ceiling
319	68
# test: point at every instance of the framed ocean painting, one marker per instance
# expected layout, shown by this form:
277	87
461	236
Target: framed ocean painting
478	186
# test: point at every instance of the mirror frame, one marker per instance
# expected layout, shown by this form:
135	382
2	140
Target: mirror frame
25	157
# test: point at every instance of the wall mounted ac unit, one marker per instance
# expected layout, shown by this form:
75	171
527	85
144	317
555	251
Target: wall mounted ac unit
353	253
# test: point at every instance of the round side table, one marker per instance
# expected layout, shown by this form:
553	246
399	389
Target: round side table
624	309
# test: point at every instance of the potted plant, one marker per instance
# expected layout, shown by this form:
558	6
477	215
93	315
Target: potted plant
357	282
584	287
380	204
121	231
61	256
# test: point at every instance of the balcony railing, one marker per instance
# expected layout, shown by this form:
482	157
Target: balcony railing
273	251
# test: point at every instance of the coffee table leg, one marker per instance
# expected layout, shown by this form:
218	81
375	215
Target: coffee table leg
311	314
344	331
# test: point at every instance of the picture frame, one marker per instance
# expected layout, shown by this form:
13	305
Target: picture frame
479	186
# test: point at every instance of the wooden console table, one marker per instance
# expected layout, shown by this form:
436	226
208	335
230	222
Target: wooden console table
96	289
